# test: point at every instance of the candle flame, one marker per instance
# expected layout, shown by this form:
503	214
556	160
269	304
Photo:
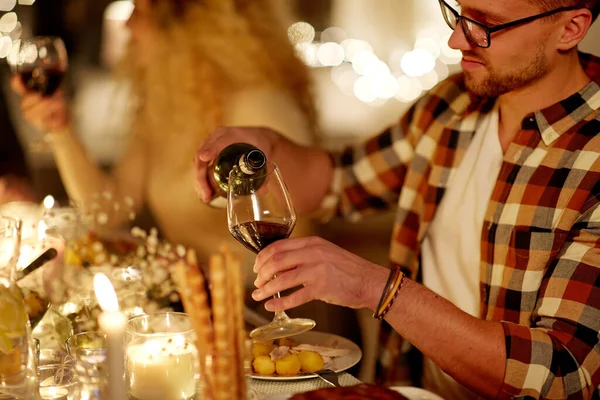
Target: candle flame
105	293
48	201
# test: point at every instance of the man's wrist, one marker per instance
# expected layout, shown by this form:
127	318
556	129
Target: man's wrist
374	286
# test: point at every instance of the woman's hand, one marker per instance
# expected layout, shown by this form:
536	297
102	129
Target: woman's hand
322	270
48	114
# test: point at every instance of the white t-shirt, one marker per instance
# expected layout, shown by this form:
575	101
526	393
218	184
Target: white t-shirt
451	250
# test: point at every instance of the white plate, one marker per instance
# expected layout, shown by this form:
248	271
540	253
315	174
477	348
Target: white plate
322	339
415	393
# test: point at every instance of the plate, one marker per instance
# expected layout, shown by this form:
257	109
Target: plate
415	393
322	339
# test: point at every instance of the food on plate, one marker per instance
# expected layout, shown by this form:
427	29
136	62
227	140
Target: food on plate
363	391
286	342
263	365
311	361
262	349
288	365
292	359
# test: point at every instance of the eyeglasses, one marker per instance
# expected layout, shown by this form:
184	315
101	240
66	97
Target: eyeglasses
479	34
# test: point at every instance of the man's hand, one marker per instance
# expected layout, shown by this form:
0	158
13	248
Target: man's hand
48	114
263	138
322	270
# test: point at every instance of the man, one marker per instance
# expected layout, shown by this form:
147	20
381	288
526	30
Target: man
496	175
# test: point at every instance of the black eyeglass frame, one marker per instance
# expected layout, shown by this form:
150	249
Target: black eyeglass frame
488	31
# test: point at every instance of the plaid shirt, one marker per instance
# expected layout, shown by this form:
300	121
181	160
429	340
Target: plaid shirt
540	244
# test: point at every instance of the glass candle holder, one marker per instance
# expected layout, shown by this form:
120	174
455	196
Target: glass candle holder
58	382
161	359
89	351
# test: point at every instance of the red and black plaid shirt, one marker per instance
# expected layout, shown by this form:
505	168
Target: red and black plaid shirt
540	244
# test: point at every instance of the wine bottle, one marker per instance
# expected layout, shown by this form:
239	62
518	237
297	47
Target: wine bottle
249	160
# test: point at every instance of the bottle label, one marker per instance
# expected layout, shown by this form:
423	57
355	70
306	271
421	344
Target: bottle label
218	202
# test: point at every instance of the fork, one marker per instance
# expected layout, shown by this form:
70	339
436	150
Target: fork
329	376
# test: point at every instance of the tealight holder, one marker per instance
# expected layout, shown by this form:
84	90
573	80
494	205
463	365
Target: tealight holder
58	382
161	358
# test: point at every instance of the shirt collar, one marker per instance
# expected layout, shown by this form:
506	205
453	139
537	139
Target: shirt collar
557	119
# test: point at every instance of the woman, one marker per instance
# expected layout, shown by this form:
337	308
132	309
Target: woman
192	65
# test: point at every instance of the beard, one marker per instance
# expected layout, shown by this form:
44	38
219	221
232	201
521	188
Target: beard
497	83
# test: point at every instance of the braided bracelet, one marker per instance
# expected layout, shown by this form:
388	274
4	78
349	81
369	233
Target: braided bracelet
392	288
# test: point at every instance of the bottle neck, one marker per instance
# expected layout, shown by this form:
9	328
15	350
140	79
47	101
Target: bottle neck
252	162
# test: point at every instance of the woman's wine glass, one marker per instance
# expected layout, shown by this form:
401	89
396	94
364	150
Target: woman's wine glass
260	212
41	63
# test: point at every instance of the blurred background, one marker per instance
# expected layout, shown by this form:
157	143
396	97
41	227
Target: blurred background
369	59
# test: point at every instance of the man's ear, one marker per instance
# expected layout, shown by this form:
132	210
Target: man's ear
575	28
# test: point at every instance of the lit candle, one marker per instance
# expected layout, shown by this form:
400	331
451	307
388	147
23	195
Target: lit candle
48	202
53	393
162	368
112	322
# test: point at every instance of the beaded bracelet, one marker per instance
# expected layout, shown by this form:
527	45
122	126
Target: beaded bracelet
392	288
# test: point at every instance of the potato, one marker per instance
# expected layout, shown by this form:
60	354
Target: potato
288	365
261	349
263	365
287	342
310	361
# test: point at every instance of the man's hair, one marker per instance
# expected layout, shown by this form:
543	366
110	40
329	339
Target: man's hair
592	5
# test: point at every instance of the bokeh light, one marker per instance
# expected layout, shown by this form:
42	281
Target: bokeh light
7	5
334	34
5	46
301	32
353	46
8	22
417	62
330	54
119	10
364	90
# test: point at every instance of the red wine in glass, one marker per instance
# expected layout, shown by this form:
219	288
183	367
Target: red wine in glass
44	80
259	213
256	235
41	63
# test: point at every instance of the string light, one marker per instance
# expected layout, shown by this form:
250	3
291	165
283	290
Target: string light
357	71
10	27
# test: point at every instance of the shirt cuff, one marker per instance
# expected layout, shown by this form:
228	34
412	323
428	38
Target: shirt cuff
528	357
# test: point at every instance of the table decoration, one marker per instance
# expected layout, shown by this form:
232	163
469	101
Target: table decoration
112	322
161	357
88	349
58	382
222	343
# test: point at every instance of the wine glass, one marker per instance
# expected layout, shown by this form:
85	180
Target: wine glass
41	62
260	212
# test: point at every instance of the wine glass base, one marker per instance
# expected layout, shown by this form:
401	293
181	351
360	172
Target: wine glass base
281	329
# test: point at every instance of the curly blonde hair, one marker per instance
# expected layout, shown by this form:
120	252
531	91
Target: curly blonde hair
205	51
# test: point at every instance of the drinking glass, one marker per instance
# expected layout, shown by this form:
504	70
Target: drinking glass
41	62
89	351
260	212
161	358
58	382
18	378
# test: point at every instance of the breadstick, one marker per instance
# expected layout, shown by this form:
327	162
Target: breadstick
223	343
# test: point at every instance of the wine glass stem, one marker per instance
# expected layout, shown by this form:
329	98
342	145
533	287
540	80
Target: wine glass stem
279	315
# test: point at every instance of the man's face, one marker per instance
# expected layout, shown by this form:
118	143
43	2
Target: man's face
516	57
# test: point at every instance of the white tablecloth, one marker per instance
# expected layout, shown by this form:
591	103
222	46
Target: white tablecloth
264	388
